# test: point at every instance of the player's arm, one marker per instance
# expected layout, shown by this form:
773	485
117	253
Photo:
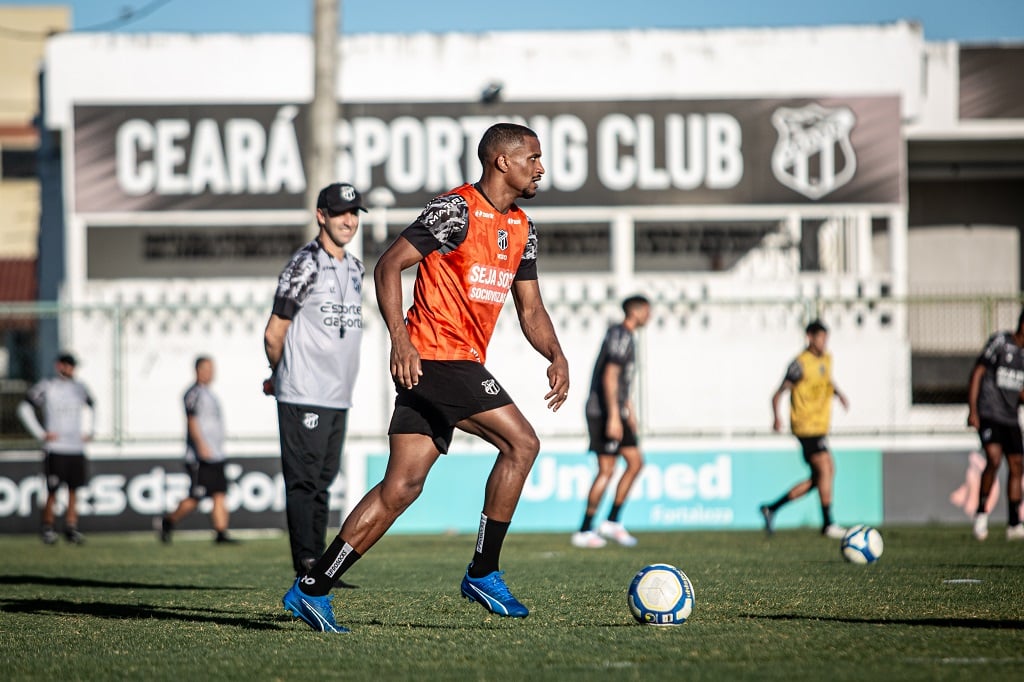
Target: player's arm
27	415
196	434
786	385
610	388
840	396
538	330
973	389
273	338
387	278
90	431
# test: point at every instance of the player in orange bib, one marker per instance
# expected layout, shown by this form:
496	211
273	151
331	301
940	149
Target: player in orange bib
472	247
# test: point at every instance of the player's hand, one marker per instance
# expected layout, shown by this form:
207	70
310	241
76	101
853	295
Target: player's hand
777	425
268	386
406	369
973	421
50	436
613	429
558	380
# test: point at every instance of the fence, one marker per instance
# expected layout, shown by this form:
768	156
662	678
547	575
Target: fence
707	367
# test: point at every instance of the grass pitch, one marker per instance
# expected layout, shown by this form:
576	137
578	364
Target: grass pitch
937	606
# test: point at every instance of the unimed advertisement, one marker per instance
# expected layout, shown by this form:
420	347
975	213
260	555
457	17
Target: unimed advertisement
189	157
128	494
676	491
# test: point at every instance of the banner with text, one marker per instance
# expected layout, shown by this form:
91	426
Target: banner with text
188	157
675	491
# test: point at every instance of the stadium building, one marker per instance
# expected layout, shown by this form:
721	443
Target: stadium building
745	180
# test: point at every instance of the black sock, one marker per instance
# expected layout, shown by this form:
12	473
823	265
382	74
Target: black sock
613	515
826	516
774	506
325	573
488	546
588	523
1014	512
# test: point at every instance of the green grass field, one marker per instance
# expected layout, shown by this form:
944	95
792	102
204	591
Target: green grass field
788	608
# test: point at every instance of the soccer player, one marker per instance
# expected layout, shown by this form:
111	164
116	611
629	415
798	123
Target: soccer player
312	341
611	423
59	402
471	247
993	396
204	456
809	381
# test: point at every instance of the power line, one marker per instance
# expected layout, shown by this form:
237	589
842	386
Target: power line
128	15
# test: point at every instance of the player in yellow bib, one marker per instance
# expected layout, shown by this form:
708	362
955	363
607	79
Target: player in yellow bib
809	382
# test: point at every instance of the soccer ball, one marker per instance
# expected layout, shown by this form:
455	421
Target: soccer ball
660	595
861	545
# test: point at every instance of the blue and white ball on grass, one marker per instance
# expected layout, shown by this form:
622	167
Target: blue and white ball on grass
862	545
661	594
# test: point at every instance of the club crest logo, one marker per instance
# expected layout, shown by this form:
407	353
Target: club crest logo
502	239
491	387
348	192
814	155
310	420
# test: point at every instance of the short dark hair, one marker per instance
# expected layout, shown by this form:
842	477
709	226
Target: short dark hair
501	136
200	359
634	301
816	326
1020	320
67	359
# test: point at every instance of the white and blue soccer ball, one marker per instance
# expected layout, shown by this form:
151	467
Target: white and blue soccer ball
661	594
862	545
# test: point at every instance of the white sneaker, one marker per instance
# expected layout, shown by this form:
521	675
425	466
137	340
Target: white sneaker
613	530
587	539
833	531
981	526
1015	532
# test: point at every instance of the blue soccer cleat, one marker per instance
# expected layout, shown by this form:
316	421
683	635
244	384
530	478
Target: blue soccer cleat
315	611
493	594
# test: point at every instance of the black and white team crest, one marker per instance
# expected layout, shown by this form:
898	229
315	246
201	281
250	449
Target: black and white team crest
348	192
310	420
502	239
814	155
491	387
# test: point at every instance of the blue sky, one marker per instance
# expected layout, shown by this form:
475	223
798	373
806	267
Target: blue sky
965	20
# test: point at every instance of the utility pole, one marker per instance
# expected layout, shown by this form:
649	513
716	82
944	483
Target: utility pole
323	113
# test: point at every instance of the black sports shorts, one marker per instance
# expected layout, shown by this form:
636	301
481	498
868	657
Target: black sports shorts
1004	435
207	478
812	445
68	468
448	392
599	442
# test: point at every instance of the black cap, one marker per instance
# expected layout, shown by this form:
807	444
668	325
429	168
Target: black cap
340	197
67	359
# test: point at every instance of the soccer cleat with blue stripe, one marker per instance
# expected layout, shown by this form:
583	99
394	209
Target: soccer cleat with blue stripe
315	611
492	592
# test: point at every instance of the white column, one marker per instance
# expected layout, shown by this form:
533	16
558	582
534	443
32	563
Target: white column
623	244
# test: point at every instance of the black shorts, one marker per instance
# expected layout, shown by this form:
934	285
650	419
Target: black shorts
65	468
1006	436
207	478
599	443
448	392
812	445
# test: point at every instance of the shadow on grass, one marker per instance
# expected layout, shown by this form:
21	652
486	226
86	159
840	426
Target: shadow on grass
64	581
973	623
63	607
